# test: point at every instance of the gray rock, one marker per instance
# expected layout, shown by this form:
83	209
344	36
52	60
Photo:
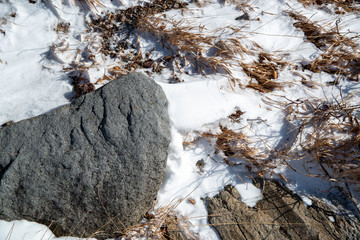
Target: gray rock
281	214
93	165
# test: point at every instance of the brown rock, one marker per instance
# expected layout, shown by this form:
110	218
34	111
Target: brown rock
172	230
281	214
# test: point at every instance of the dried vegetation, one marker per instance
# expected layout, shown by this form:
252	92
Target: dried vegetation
62	27
109	36
236	148
264	71
90	4
328	136
161	223
325	137
235	145
342	5
341	55
189	49
4	20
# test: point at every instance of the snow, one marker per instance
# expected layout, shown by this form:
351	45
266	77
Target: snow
307	201
21	230
198	103
33	82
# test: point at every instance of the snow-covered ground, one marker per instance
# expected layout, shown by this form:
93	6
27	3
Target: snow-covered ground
34	53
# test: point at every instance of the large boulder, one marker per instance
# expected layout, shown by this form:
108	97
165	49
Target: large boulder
281	214
92	166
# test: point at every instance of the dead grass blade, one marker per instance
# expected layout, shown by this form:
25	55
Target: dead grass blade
340	54
342	5
313	32
264	71
232	144
236	148
160	223
330	137
338	61
90	4
191	49
241	5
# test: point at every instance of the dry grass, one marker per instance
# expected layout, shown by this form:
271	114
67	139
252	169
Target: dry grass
264	71
80	79
90	4
160	223
190	49
241	5
313	31
329	136
346	5
327	141
340	54
236	147
338	61
62	27
232	144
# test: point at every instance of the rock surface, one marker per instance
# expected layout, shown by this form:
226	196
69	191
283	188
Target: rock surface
172	229
93	165
281	214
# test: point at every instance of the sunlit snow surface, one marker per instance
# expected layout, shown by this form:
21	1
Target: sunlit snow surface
32	83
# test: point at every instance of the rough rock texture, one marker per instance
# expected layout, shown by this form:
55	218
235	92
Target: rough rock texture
172	229
95	164
279	215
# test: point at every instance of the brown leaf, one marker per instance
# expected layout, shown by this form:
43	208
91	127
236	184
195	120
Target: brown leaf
148	63
191	201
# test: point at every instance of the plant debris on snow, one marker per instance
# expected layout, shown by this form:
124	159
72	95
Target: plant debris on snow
341	55
265	72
